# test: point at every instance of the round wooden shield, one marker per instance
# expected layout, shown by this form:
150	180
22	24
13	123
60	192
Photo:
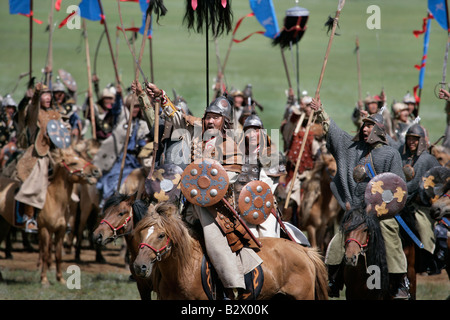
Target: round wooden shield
164	184
386	194
255	202
433	183
204	183
68	80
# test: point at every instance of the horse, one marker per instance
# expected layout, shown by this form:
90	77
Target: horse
68	168
319	208
442	154
121	213
364	248
87	208
171	253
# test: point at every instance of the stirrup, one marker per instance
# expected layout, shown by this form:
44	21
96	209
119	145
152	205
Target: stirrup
29	230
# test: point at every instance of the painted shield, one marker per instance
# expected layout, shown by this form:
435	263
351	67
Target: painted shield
204	183
255	202
164	184
432	185
68	80
58	134
386	194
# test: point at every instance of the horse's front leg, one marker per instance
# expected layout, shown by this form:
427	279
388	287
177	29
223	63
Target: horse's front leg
44	253
59	237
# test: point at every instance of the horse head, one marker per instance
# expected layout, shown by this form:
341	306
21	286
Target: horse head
356	236
76	168
442	154
158	234
440	206
121	212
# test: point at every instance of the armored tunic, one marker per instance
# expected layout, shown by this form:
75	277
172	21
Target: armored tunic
349	154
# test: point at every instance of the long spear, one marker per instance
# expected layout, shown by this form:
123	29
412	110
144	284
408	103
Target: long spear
49	63
138	69
30	61
358	68
88	66
109	44
319	85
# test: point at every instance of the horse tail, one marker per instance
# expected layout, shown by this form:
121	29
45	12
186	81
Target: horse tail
321	281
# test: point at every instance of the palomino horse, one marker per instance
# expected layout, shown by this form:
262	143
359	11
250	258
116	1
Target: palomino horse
121	214
364	247
171	254
68	168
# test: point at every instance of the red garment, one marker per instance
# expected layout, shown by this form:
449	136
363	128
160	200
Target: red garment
307	162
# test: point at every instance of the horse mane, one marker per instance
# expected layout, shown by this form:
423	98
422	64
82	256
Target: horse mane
139	207
376	249
165	215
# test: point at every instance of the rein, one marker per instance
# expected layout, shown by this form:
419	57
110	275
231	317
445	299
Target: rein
114	229
159	252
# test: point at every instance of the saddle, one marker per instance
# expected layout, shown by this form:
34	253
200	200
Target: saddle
213	287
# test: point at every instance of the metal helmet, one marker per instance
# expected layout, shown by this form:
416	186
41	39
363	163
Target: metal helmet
221	106
416	130
58	86
378	133
8	101
253	121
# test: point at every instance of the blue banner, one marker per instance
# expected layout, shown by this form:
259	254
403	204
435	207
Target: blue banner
19	6
90	9
426	41
438	8
265	14
144	5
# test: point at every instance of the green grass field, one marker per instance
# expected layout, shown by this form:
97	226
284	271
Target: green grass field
388	55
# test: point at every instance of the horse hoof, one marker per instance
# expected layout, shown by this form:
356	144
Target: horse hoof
61	281
45	283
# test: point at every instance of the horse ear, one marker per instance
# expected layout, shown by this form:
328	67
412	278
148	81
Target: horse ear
172	210
133	197
368	208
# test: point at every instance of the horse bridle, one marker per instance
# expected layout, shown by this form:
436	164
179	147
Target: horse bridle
79	172
114	229
361	246
159	252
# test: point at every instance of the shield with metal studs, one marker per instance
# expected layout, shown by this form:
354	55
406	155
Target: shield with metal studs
164	185
68	80
204	183
255	202
58	134
386	195
432	185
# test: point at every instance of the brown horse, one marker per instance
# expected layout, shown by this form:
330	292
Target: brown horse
121	213
68	168
171	254
319	209
364	249
87	208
